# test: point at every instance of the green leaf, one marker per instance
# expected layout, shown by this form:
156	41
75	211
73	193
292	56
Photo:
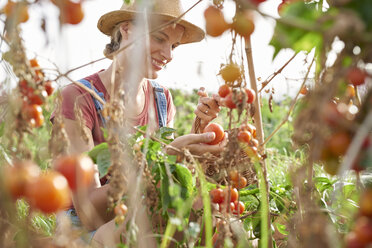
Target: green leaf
281	228
184	176
103	162
166	132
96	150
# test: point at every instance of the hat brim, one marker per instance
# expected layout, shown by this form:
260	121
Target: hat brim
109	20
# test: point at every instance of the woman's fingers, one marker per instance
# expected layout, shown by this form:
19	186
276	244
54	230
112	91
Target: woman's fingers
185	140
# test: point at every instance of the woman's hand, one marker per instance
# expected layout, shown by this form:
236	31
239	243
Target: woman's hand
207	109
196	144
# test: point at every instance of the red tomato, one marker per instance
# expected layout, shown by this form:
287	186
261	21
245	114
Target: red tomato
229	101
71	12
238	207
356	76
250	128
224	90
120	209
19	176
366	203
352	241
303	90
217	195
49	192
218	131
234	175
244	136
363	229
49	87
34	63
233	194
214	21
34	114
251	95
339	142
79	170
241	183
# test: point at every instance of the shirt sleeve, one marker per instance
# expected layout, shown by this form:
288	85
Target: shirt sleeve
72	94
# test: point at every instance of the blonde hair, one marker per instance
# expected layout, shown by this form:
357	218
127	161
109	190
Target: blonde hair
114	45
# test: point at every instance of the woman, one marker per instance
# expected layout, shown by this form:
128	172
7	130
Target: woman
140	97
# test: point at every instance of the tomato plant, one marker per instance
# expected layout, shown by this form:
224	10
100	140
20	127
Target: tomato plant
78	170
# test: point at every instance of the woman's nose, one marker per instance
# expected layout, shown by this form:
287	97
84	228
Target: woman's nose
167	52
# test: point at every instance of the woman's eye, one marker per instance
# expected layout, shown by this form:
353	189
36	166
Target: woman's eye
158	39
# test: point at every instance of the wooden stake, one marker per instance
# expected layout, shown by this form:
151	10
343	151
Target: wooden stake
258	124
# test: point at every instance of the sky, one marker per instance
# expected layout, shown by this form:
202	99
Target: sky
193	66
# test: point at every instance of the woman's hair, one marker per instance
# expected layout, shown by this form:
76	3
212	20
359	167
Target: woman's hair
115	41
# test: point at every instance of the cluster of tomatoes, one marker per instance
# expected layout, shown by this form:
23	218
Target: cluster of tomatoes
361	234
340	118
49	192
216	24
219	196
71	12
33	98
231	98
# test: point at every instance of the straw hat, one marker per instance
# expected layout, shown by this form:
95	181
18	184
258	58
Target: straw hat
163	9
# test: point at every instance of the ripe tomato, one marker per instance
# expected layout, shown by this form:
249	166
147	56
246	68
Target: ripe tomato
49	87
37	99
120	209
238	207
352	241
49	192
215	21
241	183
78	170
234	175
230	72
356	76
303	90
233	194
19	9
251	95
19	176
244	136
34	114
339	142
218	131
224	90
363	229
243	23
34	63
71	12
366	203
250	128
217	195
229	101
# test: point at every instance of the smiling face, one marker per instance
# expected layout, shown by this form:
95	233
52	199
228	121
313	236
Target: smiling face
161	46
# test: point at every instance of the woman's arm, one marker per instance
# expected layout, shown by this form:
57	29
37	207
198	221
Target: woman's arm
92	204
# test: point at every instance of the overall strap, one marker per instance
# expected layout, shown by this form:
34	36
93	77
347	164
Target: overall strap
97	104
161	103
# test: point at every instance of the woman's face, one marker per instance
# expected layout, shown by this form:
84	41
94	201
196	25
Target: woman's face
162	44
